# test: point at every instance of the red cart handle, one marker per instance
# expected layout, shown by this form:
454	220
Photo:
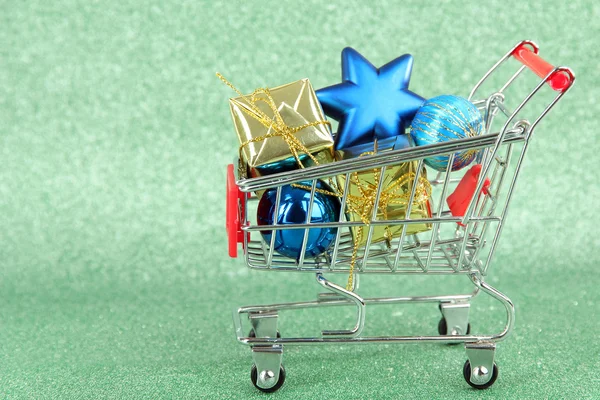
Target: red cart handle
526	53
234	213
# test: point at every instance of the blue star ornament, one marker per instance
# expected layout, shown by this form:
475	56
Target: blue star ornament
370	103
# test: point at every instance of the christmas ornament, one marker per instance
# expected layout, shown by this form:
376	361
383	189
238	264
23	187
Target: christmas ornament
370	103
293	209
280	129
446	118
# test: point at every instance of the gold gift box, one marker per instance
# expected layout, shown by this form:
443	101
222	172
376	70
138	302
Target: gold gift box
264	149
397	185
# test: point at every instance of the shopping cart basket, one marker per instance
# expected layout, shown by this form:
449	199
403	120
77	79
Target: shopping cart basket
457	245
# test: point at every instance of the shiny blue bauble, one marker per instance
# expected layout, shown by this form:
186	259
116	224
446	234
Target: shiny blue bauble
293	208
446	118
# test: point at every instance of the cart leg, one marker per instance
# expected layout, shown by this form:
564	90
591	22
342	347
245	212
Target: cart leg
480	370
329	296
267	373
353	298
264	324
455	318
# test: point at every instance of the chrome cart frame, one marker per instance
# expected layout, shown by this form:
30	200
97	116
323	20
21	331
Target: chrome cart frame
462	245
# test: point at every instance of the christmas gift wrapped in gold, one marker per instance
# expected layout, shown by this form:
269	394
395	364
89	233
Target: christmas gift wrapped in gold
398	181
281	129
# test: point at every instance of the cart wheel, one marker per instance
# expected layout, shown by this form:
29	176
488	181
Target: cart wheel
254	378
443	328
467	375
253	334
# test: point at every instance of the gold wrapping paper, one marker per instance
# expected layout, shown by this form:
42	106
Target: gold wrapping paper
397	185
267	123
322	157
319	158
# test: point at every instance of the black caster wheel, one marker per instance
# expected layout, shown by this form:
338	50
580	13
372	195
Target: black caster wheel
467	375
254	378
253	334
443	327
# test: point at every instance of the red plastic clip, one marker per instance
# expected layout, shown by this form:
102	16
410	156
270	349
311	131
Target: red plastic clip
459	200
234	213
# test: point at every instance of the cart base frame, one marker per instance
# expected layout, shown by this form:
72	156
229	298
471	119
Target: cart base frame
266	342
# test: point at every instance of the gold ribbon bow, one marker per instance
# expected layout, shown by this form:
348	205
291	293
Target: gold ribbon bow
363	204
276	124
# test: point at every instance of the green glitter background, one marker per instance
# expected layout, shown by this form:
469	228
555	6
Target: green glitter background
114	137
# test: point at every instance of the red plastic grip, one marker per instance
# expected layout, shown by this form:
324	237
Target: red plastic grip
233	219
458	201
558	81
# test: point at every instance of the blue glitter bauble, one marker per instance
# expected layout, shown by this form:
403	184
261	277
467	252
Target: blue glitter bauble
446	118
293	208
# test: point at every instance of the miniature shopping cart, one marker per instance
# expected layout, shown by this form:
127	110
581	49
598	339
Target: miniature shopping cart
456	245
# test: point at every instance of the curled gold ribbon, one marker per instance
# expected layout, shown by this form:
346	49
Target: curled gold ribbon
276	124
364	203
